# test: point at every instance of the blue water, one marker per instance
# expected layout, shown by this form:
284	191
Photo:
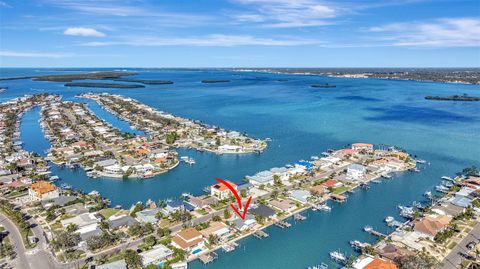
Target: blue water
302	121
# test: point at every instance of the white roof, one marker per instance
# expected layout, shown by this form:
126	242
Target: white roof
360	264
157	254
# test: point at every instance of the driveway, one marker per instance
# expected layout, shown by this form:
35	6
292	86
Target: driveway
454	259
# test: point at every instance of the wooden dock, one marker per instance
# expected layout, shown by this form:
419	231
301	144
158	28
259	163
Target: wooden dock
371	231
282	224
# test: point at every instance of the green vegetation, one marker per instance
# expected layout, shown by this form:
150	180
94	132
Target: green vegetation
103	85
108	212
421	260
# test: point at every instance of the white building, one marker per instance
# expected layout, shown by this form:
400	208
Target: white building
156	255
355	171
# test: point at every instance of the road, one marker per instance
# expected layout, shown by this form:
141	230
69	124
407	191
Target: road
454	259
21	260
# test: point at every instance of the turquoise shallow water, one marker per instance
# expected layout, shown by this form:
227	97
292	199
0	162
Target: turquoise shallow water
302	121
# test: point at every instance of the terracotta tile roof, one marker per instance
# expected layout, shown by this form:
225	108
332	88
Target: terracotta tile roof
431	225
379	263
189	234
42	187
185	238
222	187
330	183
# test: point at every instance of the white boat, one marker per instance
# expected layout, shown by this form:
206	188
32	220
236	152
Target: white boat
447	178
314	158
187	160
441	188
406	211
337	256
386	175
389	219
94	193
428	194
376	181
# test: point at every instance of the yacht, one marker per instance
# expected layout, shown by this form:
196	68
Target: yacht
428	194
337	256
421	161
441	188
389	219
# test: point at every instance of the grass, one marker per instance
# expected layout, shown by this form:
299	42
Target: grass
340	190
108	212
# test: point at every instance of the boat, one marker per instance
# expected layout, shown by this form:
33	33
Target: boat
337	256
405	211
187	160
54	178
389	219
376	181
314	158
324	207
358	245
414	170
65	186
441	188
364	186
386	175
420	161
368	228
268	139
428	194
94	193
320	266
447	178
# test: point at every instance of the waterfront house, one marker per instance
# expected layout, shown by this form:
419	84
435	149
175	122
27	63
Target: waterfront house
75	209
220	229
202	201
156	255
189	239
261	178
147	215
300	195
355	171
42	190
172	206
242	225
430	225
262	210
463	197
286	205
221	191
318	190
82	220
332	183
362	146
374	263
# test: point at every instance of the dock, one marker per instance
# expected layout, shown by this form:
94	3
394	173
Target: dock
208	258
299	217
338	198
229	247
260	234
282	224
372	231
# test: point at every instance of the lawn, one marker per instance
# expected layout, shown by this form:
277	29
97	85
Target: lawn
340	190
108	212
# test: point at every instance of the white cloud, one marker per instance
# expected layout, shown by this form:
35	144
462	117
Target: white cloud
448	32
9	53
4	4
209	40
82	31
287	13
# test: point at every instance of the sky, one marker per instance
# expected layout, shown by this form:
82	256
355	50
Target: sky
239	33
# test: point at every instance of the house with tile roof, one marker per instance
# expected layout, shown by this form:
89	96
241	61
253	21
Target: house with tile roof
189	239
43	190
221	191
431	225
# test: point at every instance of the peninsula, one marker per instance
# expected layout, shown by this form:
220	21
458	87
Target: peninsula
177	131
464	98
103	85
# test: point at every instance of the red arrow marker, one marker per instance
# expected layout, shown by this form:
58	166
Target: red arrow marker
237	197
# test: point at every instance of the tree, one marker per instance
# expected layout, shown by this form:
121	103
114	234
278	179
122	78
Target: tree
227	214
420	261
132	259
65	240
71	228
243	193
213	239
150	241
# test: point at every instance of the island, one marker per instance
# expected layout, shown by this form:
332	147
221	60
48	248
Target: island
464	97
176	131
326	85
100	75
215	80
103	85
146	81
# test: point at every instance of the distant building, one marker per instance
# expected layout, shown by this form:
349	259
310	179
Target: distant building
43	190
261	178
147	215
263	210
202	201
221	191
81	220
362	146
